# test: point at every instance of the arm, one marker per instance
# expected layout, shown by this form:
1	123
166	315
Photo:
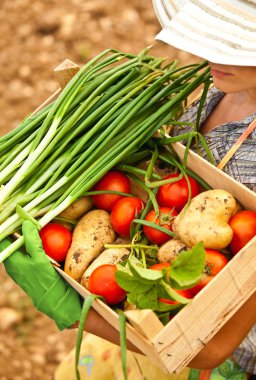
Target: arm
220	347
225	342
95	324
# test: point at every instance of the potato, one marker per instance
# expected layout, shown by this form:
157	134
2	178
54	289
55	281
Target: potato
170	250
77	209
206	219
92	231
109	256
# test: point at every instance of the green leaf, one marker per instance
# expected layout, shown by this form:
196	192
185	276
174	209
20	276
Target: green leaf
151	252
193	374
239	376
128	282
165	291
132	298
162	306
230	370
236	369
147	275
188	267
145	300
215	375
135	261
148	300
225	369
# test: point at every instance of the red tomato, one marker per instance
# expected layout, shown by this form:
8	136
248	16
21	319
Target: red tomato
123	213
103	283
165	219
214	262
56	240
160	266
183	292
113	180
176	194
243	224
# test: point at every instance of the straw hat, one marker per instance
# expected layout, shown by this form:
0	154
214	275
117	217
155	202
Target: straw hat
221	31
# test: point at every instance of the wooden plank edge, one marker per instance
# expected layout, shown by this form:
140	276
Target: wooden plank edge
145	321
144	345
180	340
218	179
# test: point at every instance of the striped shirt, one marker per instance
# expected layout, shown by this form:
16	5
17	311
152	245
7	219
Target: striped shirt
245	354
242	167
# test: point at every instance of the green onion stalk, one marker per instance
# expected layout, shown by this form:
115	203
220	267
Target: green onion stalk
104	116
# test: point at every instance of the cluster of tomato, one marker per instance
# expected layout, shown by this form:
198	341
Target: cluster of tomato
171	199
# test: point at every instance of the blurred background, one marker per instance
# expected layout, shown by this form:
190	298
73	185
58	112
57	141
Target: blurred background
36	36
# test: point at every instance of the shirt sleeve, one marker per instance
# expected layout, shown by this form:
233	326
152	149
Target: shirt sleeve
245	355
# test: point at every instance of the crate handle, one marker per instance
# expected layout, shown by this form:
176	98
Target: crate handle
65	71
145	322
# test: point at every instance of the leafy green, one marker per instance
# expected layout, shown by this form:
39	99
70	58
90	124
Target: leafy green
146	300
187	268
128	282
165	291
163	307
146	286
148	275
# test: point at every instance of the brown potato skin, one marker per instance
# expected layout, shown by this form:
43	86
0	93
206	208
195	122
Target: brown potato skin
108	256
206	220
77	209
170	250
91	233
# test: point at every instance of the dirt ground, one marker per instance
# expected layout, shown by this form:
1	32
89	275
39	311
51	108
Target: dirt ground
36	36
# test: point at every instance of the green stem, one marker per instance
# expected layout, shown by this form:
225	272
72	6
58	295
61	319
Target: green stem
84	313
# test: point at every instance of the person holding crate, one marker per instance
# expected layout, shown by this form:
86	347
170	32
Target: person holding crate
223	32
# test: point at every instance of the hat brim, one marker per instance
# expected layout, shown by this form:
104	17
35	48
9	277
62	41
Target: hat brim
210	36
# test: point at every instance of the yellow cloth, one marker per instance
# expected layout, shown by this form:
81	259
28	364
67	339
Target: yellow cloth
101	360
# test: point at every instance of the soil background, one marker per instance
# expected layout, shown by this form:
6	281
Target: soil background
36	36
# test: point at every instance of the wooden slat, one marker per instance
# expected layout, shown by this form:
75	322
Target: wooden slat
65	72
145	322
217	178
190	330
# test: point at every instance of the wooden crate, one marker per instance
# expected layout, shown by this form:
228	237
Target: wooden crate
173	346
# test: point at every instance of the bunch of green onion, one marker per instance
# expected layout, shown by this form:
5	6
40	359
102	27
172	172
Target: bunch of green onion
105	115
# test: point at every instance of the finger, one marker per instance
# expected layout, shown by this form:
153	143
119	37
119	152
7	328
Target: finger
34	247
4	244
16	257
68	310
32	239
